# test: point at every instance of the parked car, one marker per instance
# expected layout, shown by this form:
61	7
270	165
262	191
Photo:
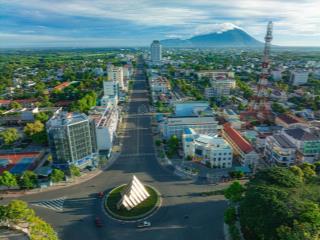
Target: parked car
144	224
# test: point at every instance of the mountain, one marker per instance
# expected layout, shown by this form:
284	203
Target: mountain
230	38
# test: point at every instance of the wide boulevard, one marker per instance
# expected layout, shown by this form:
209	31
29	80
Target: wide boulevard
180	198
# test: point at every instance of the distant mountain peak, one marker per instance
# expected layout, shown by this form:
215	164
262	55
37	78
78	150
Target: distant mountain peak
229	36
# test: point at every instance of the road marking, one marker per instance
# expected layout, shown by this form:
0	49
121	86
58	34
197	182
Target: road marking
53	204
162	228
137	155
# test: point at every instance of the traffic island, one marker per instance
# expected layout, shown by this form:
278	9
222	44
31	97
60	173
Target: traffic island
141	211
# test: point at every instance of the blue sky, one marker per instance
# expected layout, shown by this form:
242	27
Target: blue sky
79	23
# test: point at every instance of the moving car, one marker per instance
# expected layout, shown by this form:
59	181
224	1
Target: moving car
98	222
100	194
144	224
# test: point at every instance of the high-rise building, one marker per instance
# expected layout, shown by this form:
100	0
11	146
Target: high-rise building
156	51
111	93
72	140
116	74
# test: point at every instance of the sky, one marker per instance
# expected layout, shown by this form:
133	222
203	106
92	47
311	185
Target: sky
109	23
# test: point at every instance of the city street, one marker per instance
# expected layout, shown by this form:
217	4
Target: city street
72	210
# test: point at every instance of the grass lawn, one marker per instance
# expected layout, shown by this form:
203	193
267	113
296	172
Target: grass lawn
144	207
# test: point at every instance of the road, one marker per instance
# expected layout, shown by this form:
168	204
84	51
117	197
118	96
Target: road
179	197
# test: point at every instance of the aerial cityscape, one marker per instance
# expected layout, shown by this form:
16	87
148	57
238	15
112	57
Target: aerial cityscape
160	120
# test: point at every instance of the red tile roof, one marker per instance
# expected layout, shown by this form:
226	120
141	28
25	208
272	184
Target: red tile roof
236	137
61	86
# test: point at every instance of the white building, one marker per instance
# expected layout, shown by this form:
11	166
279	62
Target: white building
106	119
221	83
207	149
280	150
160	85
276	74
111	93
210	74
299	77
156	52
116	74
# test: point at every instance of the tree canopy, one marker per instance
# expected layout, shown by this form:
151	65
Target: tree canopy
282	204
9	135
7	179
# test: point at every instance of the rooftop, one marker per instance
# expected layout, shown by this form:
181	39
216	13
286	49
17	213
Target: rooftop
301	134
289	119
236	137
283	141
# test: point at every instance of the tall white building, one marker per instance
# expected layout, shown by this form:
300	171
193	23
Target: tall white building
106	120
111	93
116	74
156	51
299	77
207	149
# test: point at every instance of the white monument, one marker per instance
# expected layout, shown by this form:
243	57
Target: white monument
134	194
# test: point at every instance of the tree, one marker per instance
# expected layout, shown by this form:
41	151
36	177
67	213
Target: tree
230	215
278	205
75	171
36	131
15	105
57	175
18	211
28	180
234	192
308	170
42	117
39	230
9	135
7	179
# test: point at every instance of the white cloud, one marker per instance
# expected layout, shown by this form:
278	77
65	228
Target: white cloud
189	17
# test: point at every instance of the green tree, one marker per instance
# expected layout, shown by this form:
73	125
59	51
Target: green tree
9	135
28	180
36	131
74	171
15	105
230	215
234	192
57	175
7	179
18	211
42	117
40	230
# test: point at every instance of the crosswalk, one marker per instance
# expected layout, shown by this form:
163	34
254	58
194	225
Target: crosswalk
53	204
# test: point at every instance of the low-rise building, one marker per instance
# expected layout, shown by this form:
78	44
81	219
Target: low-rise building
209	150
221	85
241	147
279	150
195	115
299	77
306	142
233	118
288	120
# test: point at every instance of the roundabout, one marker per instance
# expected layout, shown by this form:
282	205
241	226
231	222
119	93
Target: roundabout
141	211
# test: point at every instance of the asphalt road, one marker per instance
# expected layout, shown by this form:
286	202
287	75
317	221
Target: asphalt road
179	197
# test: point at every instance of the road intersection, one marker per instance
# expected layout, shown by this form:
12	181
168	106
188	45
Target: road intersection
180	197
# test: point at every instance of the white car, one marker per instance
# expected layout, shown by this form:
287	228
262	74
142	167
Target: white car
144	224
